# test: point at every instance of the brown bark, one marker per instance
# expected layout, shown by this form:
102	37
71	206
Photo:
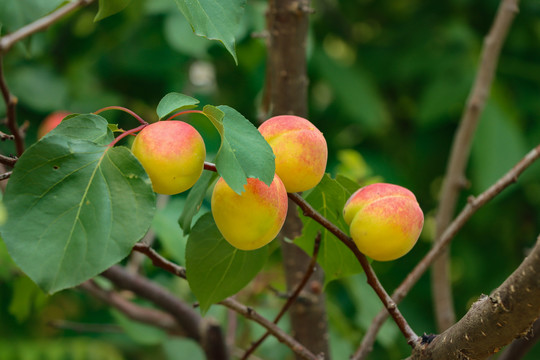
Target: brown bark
494	320
287	94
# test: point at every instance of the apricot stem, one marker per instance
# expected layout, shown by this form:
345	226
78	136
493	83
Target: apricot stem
126	133
185	112
130	112
210	166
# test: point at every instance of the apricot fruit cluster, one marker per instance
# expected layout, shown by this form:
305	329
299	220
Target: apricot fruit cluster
173	154
385	220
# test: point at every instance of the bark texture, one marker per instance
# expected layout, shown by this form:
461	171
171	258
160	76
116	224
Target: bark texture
493	321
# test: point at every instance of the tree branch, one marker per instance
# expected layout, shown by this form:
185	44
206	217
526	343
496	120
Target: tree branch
493	321
43	23
521	346
247	312
455	172
205	332
372	279
472	206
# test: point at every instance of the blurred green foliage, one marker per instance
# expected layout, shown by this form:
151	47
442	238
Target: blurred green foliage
388	80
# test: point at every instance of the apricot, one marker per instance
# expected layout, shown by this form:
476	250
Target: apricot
252	219
300	149
50	122
385	220
172	153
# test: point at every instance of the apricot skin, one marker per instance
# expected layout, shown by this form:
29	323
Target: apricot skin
300	149
385	220
172	153
252	219
50	122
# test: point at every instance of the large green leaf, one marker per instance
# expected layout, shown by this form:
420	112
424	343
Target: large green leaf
173	102
16	14
243	152
75	207
214	268
110	7
214	19
328	198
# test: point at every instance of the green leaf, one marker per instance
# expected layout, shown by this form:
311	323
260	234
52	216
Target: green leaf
243	152
75	208
214	268
174	102
215	19
110	7
328	198
194	200
16	14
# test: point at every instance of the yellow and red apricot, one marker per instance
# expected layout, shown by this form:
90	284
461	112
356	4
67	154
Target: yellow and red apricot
385	220
253	218
300	149
172	153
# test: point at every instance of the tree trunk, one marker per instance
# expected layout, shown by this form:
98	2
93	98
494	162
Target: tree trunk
287	94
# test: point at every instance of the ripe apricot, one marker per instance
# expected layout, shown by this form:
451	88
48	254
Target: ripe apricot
385	220
172	153
252	219
300	149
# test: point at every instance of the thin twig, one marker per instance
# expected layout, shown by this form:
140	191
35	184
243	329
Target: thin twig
161	262
6	175
455	172
279	334
292	298
43	23
8	160
372	279
472	206
11	102
4	136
